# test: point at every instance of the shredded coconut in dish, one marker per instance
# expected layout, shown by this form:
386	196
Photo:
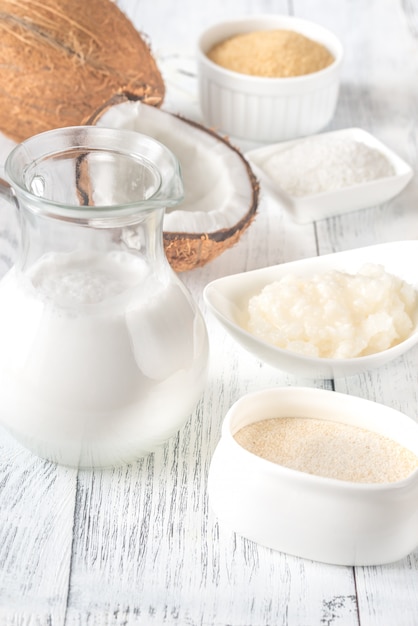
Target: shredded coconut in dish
335	314
322	164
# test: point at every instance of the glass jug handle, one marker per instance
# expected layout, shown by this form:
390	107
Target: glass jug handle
7	194
9	226
4	187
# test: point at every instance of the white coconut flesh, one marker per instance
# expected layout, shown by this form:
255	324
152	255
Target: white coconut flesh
220	189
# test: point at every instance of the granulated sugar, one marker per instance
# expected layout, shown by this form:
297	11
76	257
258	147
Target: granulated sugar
328	449
271	54
326	163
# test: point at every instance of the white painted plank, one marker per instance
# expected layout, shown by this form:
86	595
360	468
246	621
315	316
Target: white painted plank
388	595
36	518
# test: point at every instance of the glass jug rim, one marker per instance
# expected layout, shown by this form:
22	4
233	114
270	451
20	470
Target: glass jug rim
130	143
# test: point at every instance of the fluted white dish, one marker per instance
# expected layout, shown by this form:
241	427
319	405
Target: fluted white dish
324	519
312	207
267	109
227	298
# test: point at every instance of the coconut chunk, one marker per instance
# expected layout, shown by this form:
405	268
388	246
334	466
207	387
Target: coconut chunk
220	189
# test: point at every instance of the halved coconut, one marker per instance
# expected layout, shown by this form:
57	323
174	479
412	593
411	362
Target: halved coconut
62	59
221	190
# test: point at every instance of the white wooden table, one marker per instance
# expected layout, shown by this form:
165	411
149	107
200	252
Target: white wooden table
139	545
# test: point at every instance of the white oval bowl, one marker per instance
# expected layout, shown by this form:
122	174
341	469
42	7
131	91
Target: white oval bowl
267	109
323	519
227	298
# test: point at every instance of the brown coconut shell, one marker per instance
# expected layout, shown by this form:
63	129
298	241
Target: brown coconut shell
184	250
62	59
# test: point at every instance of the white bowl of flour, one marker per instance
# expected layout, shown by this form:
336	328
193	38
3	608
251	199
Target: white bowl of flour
331	173
342	487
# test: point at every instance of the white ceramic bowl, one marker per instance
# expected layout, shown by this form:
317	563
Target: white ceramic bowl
267	109
309	208
227	298
323	519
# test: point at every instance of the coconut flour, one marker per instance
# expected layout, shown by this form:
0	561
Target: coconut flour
328	449
326	163
271	53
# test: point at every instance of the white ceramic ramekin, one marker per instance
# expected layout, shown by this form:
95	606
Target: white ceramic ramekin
328	520
267	109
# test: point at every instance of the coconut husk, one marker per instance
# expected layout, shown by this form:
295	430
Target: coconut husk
187	251
60	60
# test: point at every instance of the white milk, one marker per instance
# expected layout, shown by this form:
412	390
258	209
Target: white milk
99	361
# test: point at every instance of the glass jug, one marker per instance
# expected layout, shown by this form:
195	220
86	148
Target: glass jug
103	353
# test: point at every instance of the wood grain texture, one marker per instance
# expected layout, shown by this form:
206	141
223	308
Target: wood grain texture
139	545
36	520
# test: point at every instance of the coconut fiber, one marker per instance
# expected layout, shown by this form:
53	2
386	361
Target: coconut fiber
60	60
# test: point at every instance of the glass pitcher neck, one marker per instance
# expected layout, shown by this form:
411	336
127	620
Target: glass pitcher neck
94	175
42	235
90	188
